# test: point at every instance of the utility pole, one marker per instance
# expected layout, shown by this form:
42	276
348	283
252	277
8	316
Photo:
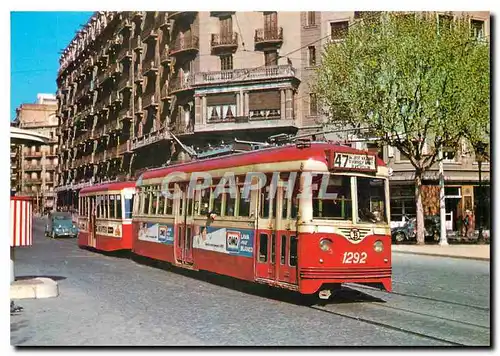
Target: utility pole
442	208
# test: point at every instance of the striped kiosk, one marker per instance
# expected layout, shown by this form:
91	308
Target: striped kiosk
21	226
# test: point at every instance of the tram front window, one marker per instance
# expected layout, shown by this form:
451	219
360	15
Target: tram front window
371	200
332	197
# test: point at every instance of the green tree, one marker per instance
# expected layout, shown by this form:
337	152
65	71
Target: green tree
418	82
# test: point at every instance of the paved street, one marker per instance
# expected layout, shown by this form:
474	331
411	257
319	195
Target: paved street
109	300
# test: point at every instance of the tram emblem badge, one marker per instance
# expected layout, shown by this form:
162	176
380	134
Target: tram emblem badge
354	235
233	241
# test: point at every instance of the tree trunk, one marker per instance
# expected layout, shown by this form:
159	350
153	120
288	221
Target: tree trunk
420	208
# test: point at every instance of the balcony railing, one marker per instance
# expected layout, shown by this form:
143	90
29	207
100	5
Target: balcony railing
137	43
149	100
125	114
165	58
165	92
180	83
33	167
32	154
124	53
268	35
113	70
149	67
188	43
125	24
238	75
150	138
50	167
112	153
124	83
99	156
224	41
177	14
138	78
124	147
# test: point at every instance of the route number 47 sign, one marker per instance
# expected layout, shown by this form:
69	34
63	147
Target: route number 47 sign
351	161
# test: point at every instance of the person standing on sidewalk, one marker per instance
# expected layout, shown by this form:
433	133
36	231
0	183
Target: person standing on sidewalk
465	223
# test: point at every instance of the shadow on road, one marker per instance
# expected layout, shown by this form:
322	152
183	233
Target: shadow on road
339	296
55	278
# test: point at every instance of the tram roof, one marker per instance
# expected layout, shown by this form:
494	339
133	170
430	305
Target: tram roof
265	155
108	187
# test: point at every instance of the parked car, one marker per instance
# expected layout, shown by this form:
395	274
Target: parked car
60	224
408	232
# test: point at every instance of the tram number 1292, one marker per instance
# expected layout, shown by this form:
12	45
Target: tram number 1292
354	257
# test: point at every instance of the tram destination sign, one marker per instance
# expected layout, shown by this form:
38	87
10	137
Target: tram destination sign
353	162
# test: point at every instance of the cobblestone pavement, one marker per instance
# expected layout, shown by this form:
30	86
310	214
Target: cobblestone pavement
110	300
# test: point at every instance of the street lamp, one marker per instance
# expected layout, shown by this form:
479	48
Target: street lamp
480	150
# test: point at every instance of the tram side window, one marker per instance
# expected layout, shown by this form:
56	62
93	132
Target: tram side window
273	247
230	205
169	203
147	200
217	204
161	204
244	203
264	203
105	199
204	202
129	204
337	202
293	251
263	248
118	201
283	250
112	207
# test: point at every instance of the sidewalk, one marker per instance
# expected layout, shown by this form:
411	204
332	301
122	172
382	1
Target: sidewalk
471	252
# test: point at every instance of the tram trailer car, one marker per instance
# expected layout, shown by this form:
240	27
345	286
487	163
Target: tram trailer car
105	216
303	242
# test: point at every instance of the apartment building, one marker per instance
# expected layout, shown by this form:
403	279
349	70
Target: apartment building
36	165
136	88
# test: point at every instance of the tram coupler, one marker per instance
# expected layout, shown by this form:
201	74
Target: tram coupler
325	294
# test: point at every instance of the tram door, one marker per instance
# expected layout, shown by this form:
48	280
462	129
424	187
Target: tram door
276	246
92	222
184	236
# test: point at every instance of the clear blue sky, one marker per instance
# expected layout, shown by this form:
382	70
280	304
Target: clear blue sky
35	41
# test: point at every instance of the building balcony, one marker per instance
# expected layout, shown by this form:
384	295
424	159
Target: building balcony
33	167
165	93
271	36
149	33
124	54
138	15
102	105
113	70
31	181
184	45
149	100
165	58
50	167
150	138
116	41
137	43
32	154
224	77
138	78
149	67
178	84
99	157
125	147
164	21
138	106
112	153
101	132
125	114
53	153
123	26
176	15
223	42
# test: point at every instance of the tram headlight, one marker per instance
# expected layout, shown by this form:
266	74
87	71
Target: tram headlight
325	245
378	246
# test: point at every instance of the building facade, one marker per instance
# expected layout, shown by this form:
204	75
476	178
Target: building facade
135	88
36	165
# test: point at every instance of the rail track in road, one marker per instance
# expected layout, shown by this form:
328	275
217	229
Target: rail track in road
393	314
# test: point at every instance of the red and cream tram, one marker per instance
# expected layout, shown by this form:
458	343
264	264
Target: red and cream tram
305	218
105	216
